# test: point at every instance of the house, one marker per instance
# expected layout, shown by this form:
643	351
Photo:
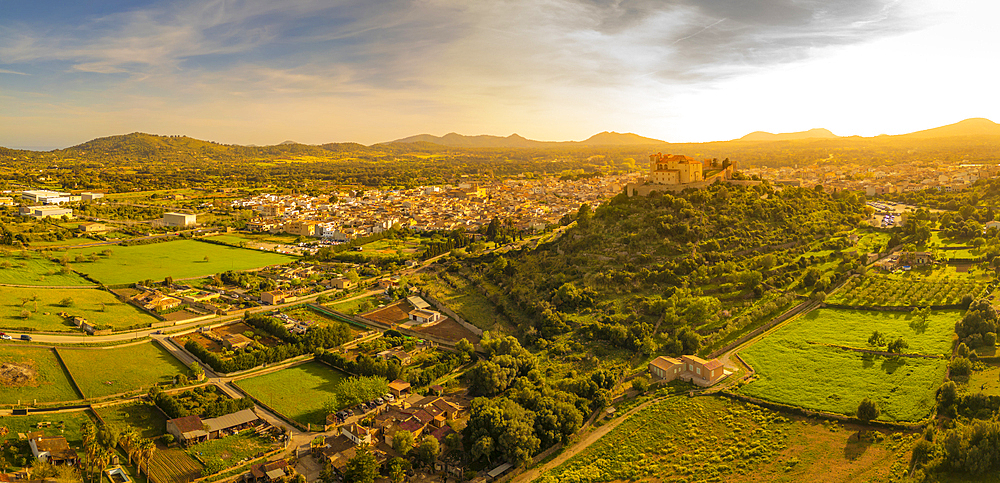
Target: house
53	449
268	472
276	297
155	301
399	387
357	433
402	356
188	429
422	316
342	283
688	368
236	341
991	225
88	227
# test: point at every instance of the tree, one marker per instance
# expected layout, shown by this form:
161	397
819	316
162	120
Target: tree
402	442
397	469
362	468
898	346
428	450
948	393
465	348
66	302
868	410
196	371
877	339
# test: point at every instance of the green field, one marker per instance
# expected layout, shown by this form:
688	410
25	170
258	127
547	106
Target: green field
35	270
714	439
97	306
179	259
102	372
853	327
47	380
224	453
352	307
297	392
793	369
143	416
406	248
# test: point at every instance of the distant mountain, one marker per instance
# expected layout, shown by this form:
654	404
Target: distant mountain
517	141
970	127
818	133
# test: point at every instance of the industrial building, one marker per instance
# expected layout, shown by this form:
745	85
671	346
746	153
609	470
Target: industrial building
179	219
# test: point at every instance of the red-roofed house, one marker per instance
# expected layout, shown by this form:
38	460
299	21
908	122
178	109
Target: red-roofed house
688	368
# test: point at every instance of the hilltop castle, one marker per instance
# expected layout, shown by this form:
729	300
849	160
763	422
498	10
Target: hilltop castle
676	172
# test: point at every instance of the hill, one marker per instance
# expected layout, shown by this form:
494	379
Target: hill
970	127
516	141
818	133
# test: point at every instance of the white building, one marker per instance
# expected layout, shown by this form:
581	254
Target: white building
47	197
40	212
179	219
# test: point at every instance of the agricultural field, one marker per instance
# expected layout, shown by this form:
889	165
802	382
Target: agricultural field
33	373
913	291
715	439
793	367
303	313
298	392
98	372
180	259
143	416
43	306
173	464
224	453
32	269
404	249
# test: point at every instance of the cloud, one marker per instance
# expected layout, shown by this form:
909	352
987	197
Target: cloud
5	71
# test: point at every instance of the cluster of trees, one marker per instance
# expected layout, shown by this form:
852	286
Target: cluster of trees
519	413
363	365
206	402
979	325
455	239
355	390
317	337
99	443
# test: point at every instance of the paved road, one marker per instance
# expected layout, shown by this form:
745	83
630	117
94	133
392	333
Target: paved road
89	339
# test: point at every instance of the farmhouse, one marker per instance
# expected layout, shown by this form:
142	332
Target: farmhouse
422	316
188	429
359	434
54	449
276	297
688	368
92	227
154	300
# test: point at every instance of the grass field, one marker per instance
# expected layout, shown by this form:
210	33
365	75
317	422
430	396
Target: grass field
174	464
714	439
853	327
297	392
792	369
406	249
143	416
224	453
102	372
352	307
34	270
179	259
97	306
50	384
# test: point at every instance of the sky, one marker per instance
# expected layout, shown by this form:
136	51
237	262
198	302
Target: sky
318	71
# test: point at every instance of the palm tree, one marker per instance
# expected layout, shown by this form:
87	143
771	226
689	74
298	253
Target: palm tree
148	448
129	440
88	433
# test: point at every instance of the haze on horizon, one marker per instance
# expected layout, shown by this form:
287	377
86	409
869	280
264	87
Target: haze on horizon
264	71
